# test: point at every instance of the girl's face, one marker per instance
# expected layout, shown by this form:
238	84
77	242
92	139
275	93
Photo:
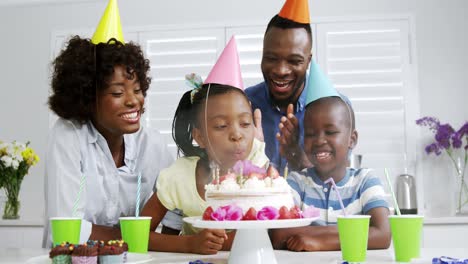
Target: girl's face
327	138
228	132
119	106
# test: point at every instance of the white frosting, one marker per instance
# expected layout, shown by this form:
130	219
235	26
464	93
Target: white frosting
280	184
254	184
229	185
267	181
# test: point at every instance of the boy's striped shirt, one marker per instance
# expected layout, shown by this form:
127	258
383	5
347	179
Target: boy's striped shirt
360	190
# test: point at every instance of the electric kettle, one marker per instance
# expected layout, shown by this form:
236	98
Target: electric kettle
406	194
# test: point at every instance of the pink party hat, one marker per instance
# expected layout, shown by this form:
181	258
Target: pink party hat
227	68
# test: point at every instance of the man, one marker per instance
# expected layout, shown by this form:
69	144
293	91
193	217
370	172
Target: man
281	98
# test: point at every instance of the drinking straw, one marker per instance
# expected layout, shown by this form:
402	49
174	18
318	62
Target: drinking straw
285	174
241	169
137	208
338	193
78	196
397	209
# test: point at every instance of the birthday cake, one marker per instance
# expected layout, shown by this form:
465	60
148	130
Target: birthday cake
249	193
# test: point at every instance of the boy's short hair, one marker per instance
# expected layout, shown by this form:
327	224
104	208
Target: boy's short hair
337	100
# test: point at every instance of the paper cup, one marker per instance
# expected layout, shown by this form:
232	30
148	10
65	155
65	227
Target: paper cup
406	236
65	229
135	231
353	231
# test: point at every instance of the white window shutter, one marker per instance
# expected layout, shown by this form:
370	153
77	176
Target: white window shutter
249	45
369	62
173	54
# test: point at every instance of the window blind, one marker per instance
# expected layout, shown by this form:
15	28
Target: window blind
173	54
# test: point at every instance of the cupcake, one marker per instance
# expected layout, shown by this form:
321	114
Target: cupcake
125	249
86	253
61	254
111	252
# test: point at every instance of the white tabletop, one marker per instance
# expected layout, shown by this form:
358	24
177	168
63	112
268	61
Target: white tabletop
332	257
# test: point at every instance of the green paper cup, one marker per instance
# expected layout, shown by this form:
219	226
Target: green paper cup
406	235
353	231
65	229
135	231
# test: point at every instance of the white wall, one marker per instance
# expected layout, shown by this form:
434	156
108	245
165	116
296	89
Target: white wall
25	31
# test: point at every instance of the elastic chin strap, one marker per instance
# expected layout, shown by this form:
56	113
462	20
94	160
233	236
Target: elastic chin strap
350	123
206	126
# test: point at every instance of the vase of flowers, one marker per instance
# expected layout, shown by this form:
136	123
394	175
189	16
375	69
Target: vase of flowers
15	160
455	144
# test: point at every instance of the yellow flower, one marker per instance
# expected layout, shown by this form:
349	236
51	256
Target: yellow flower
29	156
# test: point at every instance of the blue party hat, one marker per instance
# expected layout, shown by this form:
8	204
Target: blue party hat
318	84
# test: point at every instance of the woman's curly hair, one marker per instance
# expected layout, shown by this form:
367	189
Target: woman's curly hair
83	68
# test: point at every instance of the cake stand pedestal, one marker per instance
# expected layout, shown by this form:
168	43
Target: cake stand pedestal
251	243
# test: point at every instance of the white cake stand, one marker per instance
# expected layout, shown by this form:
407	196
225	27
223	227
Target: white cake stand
251	243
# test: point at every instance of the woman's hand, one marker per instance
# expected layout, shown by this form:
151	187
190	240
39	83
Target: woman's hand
208	241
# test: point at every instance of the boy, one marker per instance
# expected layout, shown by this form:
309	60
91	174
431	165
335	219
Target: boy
329	134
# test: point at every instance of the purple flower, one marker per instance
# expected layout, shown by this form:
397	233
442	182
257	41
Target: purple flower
268	213
434	147
457	137
445	136
432	122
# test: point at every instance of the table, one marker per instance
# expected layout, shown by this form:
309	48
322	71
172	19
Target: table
13	256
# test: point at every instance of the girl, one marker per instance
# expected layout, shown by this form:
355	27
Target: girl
223	129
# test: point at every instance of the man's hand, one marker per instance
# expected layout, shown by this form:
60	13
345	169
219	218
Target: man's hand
258	125
288	138
289	134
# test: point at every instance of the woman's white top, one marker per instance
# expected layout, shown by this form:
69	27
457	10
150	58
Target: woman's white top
79	159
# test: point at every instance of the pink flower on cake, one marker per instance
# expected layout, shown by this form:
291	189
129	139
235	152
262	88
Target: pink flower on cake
247	167
227	213
268	213
310	212
219	214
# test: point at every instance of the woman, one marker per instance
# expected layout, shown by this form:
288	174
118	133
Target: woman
97	148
